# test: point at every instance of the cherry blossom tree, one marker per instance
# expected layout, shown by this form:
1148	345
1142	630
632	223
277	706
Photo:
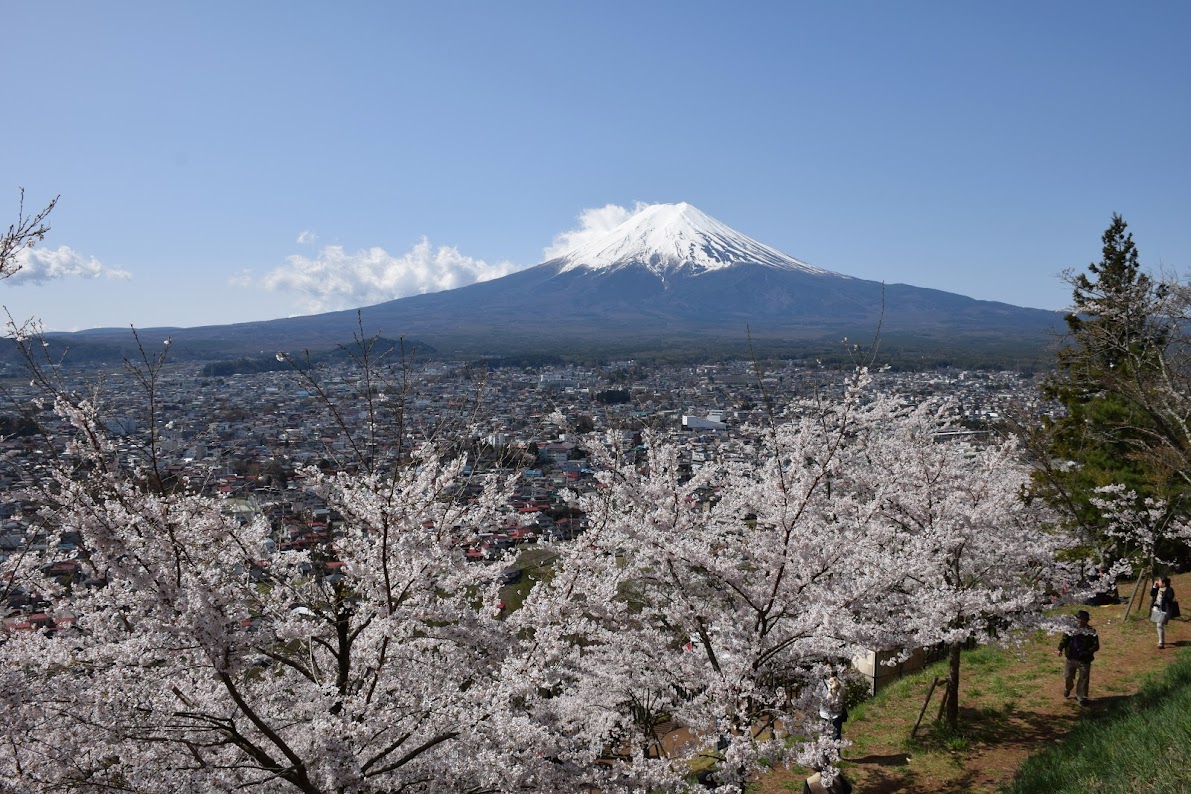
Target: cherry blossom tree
27	231
188	654
1145	529
980	562
1142	525
689	624
716	602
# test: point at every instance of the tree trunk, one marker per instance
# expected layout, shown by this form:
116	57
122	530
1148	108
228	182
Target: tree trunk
1149	577
951	710
1132	598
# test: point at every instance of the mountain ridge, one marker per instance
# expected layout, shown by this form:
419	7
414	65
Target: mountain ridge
669	277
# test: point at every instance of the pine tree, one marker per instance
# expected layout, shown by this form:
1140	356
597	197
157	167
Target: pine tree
1107	366
1111	318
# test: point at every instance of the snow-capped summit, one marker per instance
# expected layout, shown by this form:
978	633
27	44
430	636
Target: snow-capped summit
670	283
669	237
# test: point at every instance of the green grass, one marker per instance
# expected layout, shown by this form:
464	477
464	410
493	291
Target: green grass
987	658
1137	746
1009	706
535	564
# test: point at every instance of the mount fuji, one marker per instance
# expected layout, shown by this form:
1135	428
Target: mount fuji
670	280
665	238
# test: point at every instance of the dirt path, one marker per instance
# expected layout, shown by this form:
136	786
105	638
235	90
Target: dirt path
1009	710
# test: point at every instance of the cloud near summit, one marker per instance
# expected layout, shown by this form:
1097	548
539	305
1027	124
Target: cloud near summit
336	279
593	223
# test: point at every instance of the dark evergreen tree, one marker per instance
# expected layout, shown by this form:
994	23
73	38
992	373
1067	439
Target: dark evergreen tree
1112	321
1105	376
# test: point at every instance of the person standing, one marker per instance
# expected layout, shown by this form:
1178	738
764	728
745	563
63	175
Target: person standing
1079	646
832	706
1161	597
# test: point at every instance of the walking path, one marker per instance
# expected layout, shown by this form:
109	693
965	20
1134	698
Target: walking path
1011	705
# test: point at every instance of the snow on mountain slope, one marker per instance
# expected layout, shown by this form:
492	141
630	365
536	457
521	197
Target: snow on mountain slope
668	237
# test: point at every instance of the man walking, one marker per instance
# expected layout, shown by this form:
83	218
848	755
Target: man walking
1079	646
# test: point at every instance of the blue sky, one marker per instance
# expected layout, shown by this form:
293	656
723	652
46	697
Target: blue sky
228	161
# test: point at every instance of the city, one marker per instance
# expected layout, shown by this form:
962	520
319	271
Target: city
246	438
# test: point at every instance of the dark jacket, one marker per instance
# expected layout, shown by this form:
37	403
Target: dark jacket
1081	645
1162	601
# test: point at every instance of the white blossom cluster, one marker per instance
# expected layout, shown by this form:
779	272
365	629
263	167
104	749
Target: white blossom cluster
685	628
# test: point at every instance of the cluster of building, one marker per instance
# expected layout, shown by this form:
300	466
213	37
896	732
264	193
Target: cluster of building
248	437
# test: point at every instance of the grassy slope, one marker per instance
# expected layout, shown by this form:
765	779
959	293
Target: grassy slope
1011	708
1141	745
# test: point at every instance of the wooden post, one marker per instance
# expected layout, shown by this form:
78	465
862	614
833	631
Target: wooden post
1132	596
943	701
925	703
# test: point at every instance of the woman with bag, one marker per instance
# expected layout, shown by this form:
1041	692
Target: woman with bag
1161	599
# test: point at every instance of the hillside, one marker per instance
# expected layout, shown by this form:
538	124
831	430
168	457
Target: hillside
1011	707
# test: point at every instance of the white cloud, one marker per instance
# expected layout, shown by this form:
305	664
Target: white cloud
593	223
335	279
39	265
